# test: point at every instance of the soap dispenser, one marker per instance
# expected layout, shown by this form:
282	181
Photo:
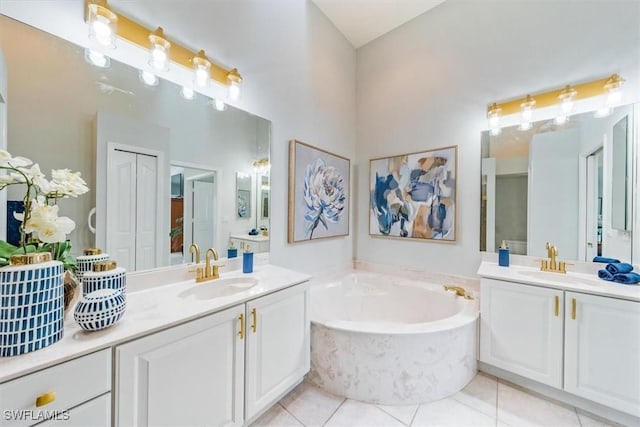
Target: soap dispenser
503	255
232	251
247	260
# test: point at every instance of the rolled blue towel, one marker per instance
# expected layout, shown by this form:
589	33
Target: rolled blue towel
627	278
604	274
619	267
605	260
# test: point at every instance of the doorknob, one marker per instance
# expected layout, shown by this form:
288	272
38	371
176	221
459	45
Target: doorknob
589	244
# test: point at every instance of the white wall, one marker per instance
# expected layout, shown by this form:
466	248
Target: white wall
427	84
299	72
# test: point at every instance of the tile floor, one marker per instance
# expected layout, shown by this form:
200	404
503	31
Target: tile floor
485	401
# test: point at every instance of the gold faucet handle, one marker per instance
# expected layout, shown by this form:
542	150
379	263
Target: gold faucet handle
200	273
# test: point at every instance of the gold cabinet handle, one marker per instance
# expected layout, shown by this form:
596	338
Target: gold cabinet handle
573	308
45	399
254	320
557	306
241	332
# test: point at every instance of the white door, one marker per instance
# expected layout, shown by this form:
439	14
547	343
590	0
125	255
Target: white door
521	330
190	375
594	205
602	350
146	208
121	208
203	205
278	352
553	199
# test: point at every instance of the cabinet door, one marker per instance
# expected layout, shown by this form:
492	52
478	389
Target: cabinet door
602	350
188	375
277	346
521	330
94	413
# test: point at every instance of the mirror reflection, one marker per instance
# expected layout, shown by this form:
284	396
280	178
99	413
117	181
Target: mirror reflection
568	184
105	123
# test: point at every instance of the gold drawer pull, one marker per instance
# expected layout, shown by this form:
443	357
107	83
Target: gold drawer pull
241	332
573	308
557	307
254	320
45	399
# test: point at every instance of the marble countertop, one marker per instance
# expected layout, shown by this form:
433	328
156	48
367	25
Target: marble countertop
149	310
572	281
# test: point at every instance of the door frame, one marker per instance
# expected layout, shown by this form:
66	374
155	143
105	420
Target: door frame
102	232
216	208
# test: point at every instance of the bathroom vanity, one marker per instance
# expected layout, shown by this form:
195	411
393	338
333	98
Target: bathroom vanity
213	353
571	336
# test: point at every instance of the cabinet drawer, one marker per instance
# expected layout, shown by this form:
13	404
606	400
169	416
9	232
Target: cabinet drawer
73	382
94	413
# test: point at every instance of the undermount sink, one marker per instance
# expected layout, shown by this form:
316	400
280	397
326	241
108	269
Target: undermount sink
219	287
564	278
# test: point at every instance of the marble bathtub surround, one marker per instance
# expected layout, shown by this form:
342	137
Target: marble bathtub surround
387	340
484	401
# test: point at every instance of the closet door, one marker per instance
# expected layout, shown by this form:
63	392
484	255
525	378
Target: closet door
145	215
121	208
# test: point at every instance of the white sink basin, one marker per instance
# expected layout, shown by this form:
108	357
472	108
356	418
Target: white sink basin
563	278
219	287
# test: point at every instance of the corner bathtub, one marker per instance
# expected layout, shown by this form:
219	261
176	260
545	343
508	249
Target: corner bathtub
386	340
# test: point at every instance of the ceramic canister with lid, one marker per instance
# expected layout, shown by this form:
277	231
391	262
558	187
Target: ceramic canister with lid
105	275
85	262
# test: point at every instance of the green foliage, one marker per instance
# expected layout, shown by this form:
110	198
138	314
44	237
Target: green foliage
59	252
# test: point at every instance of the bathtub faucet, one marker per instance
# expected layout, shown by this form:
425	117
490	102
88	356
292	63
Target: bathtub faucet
461	292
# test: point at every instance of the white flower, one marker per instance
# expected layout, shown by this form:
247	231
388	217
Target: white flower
5	180
39	180
67	183
45	223
323	194
6	160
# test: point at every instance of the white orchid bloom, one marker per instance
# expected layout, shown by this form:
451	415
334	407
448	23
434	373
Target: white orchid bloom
19	162
6	180
67	183
38	179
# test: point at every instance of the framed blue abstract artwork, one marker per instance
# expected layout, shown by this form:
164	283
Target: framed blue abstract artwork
413	196
318	193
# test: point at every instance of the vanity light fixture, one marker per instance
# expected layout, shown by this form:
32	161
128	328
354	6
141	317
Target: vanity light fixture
234	79
493	115
159	50
201	69
148	78
262	166
564	99
97	58
103	24
187	93
526	112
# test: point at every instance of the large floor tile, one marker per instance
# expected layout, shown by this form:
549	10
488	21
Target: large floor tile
401	413
277	416
481	394
450	412
521	409
358	414
310	405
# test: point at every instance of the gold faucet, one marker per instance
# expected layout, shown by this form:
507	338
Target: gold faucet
552	264
209	272
196	248
461	292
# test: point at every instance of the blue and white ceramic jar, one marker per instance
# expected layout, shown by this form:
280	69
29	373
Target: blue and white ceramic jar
85	262
31	304
106	275
100	309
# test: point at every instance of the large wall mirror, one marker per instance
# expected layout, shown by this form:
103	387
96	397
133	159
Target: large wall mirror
162	169
569	184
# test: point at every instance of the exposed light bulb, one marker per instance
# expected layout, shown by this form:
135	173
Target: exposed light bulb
493	115
187	93
201	76
219	104
102	25
526	112
148	78
234	91
159	58
560	120
159	50
234	79
102	31
96	58
614	97
201	69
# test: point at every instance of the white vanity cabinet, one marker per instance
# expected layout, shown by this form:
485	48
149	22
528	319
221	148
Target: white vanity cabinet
257	243
219	370
73	393
191	374
602	350
278	346
521	330
587	345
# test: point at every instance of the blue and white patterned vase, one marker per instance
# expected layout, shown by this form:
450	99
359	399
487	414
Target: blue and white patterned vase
85	262
111	279
100	309
31	306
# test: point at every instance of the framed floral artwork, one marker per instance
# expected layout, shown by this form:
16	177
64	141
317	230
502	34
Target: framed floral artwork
413	196
318	193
